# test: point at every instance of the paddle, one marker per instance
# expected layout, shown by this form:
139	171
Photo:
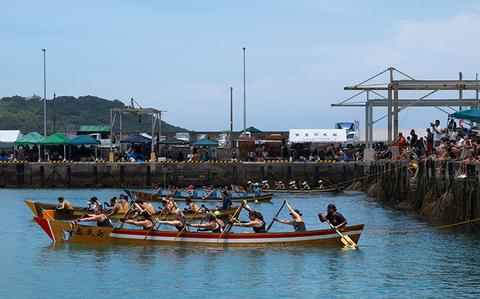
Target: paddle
346	240
232	218
335	186
188	222
276	215
125	215
164	213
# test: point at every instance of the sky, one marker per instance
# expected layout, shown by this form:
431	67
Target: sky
183	56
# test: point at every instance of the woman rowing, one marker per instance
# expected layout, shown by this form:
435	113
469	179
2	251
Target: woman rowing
212	224
101	219
144	206
191	206
146	222
179	223
257	223
297	222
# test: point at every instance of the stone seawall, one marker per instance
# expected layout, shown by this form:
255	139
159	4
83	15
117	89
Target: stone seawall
434	191
105	175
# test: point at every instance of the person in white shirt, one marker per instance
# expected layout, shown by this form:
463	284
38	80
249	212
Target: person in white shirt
437	133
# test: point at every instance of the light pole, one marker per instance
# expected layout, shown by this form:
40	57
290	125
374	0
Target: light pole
244	96
44	92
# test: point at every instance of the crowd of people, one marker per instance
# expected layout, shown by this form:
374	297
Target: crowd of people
451	143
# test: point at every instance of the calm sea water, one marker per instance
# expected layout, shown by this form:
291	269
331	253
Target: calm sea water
437	263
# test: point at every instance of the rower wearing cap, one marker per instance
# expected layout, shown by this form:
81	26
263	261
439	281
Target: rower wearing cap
334	217
297	222
190	191
64	205
146	222
179	223
93	204
124	206
257	223
212	224
191	206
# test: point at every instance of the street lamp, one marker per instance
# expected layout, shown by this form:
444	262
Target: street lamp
44	92
244	96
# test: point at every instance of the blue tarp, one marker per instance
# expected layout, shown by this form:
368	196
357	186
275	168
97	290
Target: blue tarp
136	139
205	143
472	115
83	139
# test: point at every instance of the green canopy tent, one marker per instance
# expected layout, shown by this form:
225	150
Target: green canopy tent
32	138
253	130
56	139
85	140
206	143
471	115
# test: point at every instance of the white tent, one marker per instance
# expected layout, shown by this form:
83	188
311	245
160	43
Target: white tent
9	136
317	135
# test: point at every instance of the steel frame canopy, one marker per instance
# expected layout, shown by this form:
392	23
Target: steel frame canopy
135	110
395	104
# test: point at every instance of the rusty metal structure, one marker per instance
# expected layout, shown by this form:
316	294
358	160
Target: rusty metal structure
388	95
139	112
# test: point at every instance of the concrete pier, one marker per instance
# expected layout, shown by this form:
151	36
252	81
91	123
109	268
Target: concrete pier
118	175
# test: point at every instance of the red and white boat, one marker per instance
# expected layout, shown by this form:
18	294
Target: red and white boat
60	232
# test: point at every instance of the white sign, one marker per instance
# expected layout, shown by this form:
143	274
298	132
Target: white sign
317	135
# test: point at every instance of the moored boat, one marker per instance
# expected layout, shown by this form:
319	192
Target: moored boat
60	232
38	208
236	197
302	191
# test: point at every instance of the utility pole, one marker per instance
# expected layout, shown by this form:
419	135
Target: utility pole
44	92
244	96
54	116
460	91
231	117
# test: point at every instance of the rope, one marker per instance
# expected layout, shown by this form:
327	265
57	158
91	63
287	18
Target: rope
423	229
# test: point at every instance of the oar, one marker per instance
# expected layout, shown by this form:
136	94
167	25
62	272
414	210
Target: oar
125	215
335	186
156	221
232	218
188	222
276	215
346	240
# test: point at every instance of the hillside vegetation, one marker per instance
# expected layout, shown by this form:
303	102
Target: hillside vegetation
26	114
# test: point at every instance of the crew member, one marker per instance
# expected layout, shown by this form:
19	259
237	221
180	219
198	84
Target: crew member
102	219
64	205
257	223
334	217
146	222
297	222
191	206
211	224
179	223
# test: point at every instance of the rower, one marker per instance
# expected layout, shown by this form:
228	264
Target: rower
256	190
191	206
297	222
320	184
209	191
144	206
146	222
334	217
212	224
169	205
64	205
124	206
190	191
93	204
173	191
179	223
256	220
305	185
226	198
102	219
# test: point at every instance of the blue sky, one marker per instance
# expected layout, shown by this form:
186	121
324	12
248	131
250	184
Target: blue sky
182	56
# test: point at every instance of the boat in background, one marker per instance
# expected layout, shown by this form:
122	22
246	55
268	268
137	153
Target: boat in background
199	196
38	208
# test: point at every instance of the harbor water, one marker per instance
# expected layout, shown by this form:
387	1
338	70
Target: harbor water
397	258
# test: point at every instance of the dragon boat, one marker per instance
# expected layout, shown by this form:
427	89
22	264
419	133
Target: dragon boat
199	196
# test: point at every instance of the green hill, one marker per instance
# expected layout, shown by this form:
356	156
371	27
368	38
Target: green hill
26	114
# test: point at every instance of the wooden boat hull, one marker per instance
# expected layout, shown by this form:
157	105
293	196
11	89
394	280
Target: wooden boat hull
264	197
300	191
59	233
38	207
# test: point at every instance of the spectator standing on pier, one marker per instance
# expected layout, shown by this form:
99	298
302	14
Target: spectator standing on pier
414	138
437	133
429	139
401	141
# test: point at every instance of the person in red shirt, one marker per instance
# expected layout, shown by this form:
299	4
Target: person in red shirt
401	141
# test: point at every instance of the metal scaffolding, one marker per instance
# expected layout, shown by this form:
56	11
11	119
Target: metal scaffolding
388	95
135	110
